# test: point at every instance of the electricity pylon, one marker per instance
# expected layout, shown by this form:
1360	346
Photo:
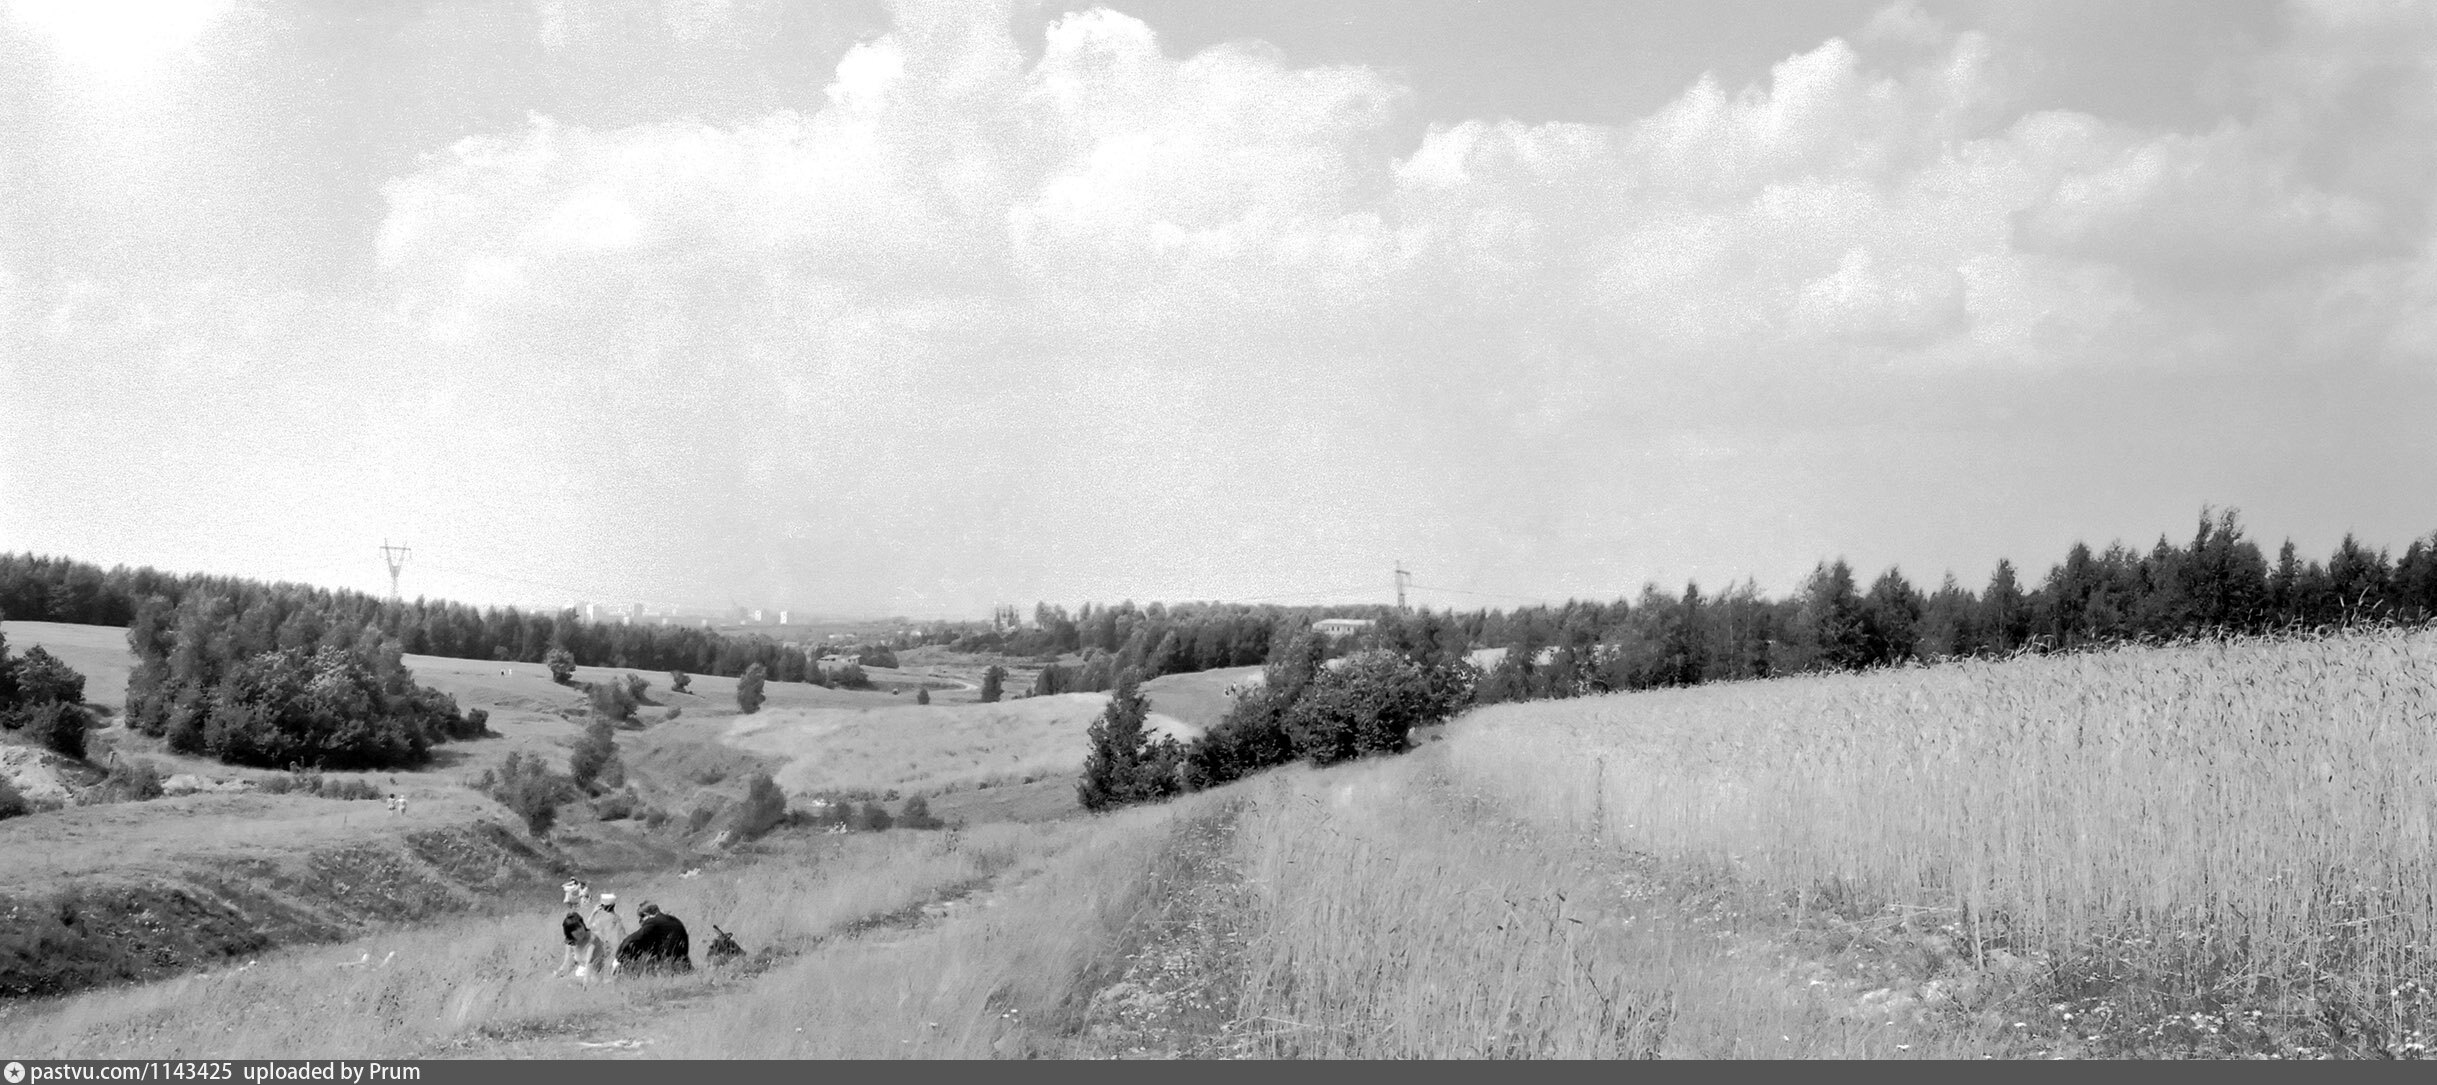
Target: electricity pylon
396	557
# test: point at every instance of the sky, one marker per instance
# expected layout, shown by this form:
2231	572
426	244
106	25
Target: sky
917	307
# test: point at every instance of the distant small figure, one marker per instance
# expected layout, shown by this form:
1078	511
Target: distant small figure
401	805
393	802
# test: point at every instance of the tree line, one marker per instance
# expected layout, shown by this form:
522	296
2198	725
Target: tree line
1152	640
52	589
2219	582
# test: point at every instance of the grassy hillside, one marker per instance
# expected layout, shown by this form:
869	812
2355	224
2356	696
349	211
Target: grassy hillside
927	748
882	945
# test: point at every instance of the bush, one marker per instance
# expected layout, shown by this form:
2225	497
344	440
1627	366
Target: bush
58	725
527	787
764	807
350	790
478	722
1369	705
616	806
612	700
594	764
12	801
562	666
749	689
329	710
637	686
922	696
41	679
655	818
994	683
917	815
850	676
677	681
132	780
700	816
873	816
877	656
311	783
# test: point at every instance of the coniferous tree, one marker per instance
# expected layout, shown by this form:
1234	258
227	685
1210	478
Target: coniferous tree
1891	619
2005	618
2359	577
1948	627
994	683
1127	763
1829	626
749	690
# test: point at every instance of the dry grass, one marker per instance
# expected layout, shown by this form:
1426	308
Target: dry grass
1395	915
1009	979
2213	828
456	984
925	749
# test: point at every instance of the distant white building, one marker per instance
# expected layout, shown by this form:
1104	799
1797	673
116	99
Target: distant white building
1341	627
782	617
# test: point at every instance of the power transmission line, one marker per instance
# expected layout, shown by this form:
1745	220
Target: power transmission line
1482	594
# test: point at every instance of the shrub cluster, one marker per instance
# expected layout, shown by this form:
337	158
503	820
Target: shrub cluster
594	764
1303	710
234	688
44	698
312	783
612	701
860	811
529	789
765	806
130	780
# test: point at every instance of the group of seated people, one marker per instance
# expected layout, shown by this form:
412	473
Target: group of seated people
598	943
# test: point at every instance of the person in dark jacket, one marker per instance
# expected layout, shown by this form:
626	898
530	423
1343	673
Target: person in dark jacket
658	944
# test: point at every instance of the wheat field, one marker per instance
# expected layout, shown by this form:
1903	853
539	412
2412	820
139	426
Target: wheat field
2247	820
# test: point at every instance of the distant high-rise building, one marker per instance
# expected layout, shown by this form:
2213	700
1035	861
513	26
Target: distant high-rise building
782	617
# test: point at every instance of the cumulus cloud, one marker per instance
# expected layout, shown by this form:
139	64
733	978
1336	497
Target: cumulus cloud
965	299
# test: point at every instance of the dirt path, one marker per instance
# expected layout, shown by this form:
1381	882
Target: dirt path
1175	997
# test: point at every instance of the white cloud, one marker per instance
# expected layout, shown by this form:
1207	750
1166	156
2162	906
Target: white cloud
969	311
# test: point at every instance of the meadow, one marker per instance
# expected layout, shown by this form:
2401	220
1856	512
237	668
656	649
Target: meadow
928	749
